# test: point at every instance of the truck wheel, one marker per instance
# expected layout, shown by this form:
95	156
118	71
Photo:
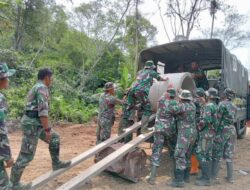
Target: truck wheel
243	134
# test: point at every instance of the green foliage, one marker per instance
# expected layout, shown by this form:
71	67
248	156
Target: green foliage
213	74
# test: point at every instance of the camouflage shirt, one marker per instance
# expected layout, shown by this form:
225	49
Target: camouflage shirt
187	118
199	109
144	79
226	113
201	82
166	113
38	99
209	117
5	153
107	104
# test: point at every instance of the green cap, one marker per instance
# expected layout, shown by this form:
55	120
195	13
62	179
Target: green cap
5	72
229	93
200	92
186	95
171	90
109	86
149	64
212	93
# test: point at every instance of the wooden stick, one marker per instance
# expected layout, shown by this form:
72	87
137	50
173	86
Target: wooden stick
76	182
41	180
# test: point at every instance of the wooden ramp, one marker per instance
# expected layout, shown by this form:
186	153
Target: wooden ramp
42	180
76	182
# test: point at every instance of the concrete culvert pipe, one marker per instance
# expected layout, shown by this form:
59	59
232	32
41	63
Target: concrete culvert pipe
178	80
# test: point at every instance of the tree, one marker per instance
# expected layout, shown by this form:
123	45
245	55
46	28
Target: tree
181	16
231	30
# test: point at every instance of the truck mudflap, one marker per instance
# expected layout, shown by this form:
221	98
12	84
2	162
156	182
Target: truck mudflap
130	166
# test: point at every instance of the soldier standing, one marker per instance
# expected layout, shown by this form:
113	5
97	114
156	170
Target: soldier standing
199	76
165	127
225	141
199	103
106	117
35	125
5	152
138	94
207	130
185	140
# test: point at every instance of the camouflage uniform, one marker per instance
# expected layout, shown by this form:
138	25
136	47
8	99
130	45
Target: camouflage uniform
185	140
207	130
106	117
165	126
187	135
5	152
226	130
201	82
207	133
138	95
37	103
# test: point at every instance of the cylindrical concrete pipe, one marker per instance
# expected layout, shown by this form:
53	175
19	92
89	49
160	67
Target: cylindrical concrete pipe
178	80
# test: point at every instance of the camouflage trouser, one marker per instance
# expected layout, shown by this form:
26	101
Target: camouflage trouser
139	97
217	147
159	139
103	131
204	149
184	148
125	123
229	141
32	131
4	179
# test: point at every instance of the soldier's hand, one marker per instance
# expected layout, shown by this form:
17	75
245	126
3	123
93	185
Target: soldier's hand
9	163
48	137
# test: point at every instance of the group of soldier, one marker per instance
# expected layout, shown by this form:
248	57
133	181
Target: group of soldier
35	125
189	123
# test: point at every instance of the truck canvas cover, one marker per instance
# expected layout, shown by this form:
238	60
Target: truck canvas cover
210	53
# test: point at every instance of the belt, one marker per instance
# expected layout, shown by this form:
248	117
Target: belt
32	114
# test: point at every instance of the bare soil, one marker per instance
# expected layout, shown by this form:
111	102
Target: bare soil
78	138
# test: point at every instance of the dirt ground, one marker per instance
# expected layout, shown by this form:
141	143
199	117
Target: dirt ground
77	138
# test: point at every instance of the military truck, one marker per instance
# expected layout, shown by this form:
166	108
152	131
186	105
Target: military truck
211	54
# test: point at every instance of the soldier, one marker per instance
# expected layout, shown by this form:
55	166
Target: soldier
35	125
5	152
199	102
165	127
138	94
106	117
199	76
185	140
226	135
207	129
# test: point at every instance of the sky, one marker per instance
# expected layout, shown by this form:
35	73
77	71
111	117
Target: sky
149	9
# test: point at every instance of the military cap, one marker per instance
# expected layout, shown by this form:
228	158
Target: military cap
212	93
5	72
109	86
200	92
229	93
149	65
171	90
186	95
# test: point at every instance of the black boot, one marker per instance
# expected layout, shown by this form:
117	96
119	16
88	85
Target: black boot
56	162
214	171
230	170
179	179
151	177
204	180
187	175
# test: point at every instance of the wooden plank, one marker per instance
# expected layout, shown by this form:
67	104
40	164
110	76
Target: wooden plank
42	180
76	182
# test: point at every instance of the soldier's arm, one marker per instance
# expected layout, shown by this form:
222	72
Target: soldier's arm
43	110
158	77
